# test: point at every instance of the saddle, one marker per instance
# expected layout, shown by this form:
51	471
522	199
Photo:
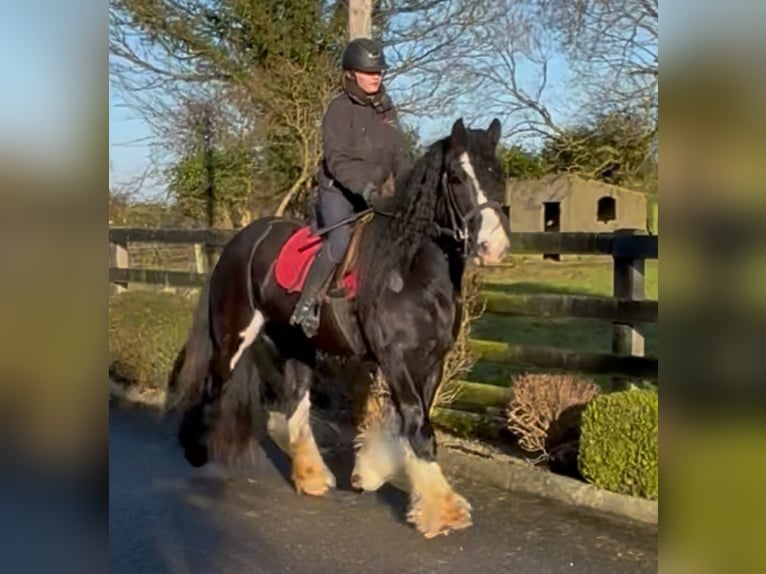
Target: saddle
339	292
298	254
343	281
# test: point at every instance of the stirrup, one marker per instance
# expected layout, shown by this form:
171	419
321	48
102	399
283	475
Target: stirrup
306	315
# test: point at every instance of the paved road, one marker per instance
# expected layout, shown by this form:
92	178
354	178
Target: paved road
167	517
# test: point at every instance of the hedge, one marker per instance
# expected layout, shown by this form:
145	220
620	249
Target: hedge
619	447
146	331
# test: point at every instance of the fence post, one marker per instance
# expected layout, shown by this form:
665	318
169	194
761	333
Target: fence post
359	18
200	263
628	284
118	257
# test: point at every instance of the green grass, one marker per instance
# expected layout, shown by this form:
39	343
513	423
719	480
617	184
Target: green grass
586	275
591	275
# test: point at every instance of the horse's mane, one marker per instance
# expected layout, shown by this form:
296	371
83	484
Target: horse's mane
393	240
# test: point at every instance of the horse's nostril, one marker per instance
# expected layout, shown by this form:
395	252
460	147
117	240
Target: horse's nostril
483	247
356	481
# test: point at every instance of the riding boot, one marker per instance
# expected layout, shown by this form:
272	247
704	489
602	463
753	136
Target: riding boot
306	313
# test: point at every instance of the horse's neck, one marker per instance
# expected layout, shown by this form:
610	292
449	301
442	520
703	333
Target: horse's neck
456	262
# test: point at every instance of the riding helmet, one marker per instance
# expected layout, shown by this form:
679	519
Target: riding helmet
364	54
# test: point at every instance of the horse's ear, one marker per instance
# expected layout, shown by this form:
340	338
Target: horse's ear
459	137
494	132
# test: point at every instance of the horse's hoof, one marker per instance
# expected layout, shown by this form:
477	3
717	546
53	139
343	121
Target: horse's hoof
438	514
365	483
196	455
356	482
312	480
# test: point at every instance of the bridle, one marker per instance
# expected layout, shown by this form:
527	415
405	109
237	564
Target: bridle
459	221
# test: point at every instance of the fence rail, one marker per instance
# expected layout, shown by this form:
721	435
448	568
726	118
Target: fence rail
479	406
565	360
582	306
572	243
210	237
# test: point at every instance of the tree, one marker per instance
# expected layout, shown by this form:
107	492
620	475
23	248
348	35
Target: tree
289	99
616	148
188	184
521	163
424	39
613	48
271	65
537	64
118	205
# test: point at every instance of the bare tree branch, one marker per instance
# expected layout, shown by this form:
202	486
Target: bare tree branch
423	39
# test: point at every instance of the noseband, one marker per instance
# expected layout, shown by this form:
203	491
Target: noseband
459	221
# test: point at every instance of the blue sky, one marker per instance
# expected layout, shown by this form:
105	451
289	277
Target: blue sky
128	135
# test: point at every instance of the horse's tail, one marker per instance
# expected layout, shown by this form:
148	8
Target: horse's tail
220	427
187	379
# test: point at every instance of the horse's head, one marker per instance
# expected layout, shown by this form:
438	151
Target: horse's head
473	177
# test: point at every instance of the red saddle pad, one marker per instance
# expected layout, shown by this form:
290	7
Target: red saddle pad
295	259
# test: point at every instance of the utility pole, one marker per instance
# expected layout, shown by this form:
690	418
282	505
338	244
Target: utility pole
207	151
359	18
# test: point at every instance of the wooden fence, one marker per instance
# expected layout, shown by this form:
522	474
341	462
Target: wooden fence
479	407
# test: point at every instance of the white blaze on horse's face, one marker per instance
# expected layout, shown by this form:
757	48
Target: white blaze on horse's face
492	241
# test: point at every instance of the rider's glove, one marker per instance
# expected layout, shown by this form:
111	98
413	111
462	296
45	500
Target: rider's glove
368	191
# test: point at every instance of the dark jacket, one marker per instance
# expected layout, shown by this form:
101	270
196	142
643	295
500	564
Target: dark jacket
362	142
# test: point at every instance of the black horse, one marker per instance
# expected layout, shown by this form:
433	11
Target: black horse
404	318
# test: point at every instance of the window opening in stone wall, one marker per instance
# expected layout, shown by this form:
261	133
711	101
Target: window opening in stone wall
552	223
606	209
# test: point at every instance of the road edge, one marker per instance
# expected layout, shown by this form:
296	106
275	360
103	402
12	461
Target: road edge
471	458
511	473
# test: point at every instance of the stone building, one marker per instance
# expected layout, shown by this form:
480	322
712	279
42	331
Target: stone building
566	202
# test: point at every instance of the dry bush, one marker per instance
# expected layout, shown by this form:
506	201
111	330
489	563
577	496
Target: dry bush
374	407
461	359
544	411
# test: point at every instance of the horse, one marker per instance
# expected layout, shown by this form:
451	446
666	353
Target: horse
403	315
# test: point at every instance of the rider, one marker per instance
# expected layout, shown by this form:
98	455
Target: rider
363	146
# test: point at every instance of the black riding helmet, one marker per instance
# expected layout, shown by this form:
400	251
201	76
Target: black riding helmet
364	54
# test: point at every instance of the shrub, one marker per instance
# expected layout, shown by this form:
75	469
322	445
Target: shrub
619	449
146	331
544	411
